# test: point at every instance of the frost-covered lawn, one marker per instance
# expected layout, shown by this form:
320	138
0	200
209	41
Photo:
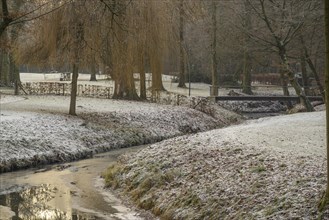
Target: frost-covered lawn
36	130
272	168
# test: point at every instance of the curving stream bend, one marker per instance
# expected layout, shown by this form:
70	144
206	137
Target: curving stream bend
66	191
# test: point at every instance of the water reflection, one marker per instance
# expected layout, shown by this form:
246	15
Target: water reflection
36	203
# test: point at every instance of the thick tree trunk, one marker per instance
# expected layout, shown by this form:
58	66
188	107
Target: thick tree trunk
93	70
156	67
74	88
182	74
131	92
5	69
14	72
6	19
125	88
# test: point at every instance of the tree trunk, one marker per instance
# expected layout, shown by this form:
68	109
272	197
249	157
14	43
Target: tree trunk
14	72
125	88
156	67
5	69
246	80
131	93
292	79
93	69
181	82
74	88
317	78
305	78
325	198
214	74
142	79
284	83
313	69
246	77
6	19
78	36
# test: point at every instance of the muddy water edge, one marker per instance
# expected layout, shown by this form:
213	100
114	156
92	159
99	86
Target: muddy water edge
64	191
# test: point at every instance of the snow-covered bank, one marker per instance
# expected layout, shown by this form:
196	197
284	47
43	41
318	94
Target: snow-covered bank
272	168
36	131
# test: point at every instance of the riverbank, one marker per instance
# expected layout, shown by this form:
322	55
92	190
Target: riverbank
35	130
270	168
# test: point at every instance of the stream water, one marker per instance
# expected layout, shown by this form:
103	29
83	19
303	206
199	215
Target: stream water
65	191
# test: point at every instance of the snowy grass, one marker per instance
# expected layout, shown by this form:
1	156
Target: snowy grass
272	168
36	130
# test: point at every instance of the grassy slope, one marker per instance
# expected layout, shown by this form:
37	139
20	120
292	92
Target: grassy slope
203	177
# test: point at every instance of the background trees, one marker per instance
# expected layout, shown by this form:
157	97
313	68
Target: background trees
223	43
14	15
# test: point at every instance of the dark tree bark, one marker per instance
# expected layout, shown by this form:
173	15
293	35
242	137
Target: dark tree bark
6	19
326	3
5	69
74	88
78	37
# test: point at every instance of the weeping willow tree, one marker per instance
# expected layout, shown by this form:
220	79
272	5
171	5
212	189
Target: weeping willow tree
125	36
183	13
56	40
139	40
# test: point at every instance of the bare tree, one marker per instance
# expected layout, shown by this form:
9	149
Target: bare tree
77	37
282	32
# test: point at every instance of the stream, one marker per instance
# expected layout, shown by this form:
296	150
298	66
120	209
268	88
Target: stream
66	191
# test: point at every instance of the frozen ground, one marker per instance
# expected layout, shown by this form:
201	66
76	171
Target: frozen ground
270	168
36	130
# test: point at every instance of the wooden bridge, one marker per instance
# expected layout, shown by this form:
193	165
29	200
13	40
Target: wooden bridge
266	98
